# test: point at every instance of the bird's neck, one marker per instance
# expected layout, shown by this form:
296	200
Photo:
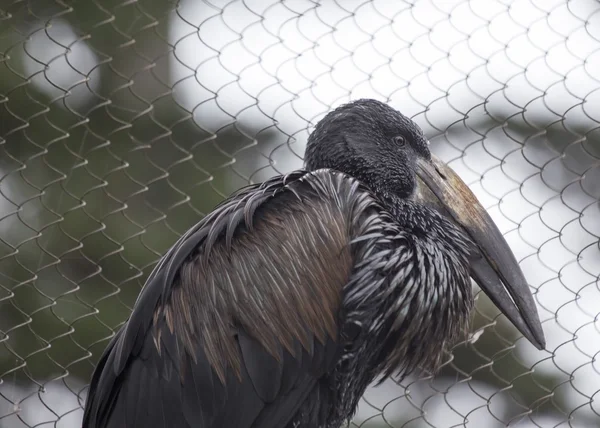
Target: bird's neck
419	299
410	215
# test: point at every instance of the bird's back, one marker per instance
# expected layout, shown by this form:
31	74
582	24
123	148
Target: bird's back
239	325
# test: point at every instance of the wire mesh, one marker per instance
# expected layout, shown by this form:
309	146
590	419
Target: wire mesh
123	122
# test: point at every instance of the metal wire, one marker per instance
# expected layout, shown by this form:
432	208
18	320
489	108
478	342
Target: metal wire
123	122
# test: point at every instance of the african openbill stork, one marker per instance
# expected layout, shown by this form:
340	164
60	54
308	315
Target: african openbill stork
282	305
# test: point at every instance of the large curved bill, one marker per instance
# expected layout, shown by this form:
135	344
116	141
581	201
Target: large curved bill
495	269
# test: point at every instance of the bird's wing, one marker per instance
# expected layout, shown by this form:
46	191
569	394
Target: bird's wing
240	318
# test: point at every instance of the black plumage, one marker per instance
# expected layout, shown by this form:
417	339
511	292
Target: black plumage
282	305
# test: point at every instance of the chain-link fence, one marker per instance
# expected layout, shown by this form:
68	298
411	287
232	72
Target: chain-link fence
123	122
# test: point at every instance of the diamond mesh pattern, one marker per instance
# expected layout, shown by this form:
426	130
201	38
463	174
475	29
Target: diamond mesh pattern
123	122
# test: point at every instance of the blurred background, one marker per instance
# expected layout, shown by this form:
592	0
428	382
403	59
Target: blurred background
123	122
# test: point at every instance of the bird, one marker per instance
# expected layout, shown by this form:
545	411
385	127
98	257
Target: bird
282	305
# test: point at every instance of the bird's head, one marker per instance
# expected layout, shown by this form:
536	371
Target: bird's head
372	142
389	153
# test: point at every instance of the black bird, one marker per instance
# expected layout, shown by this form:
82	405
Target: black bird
281	306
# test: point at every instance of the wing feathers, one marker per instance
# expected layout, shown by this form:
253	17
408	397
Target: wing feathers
257	364
239	320
285	286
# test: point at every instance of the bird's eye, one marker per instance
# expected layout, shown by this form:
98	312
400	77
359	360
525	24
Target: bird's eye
399	140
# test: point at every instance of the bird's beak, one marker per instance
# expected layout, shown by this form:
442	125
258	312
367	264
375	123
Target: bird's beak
494	268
